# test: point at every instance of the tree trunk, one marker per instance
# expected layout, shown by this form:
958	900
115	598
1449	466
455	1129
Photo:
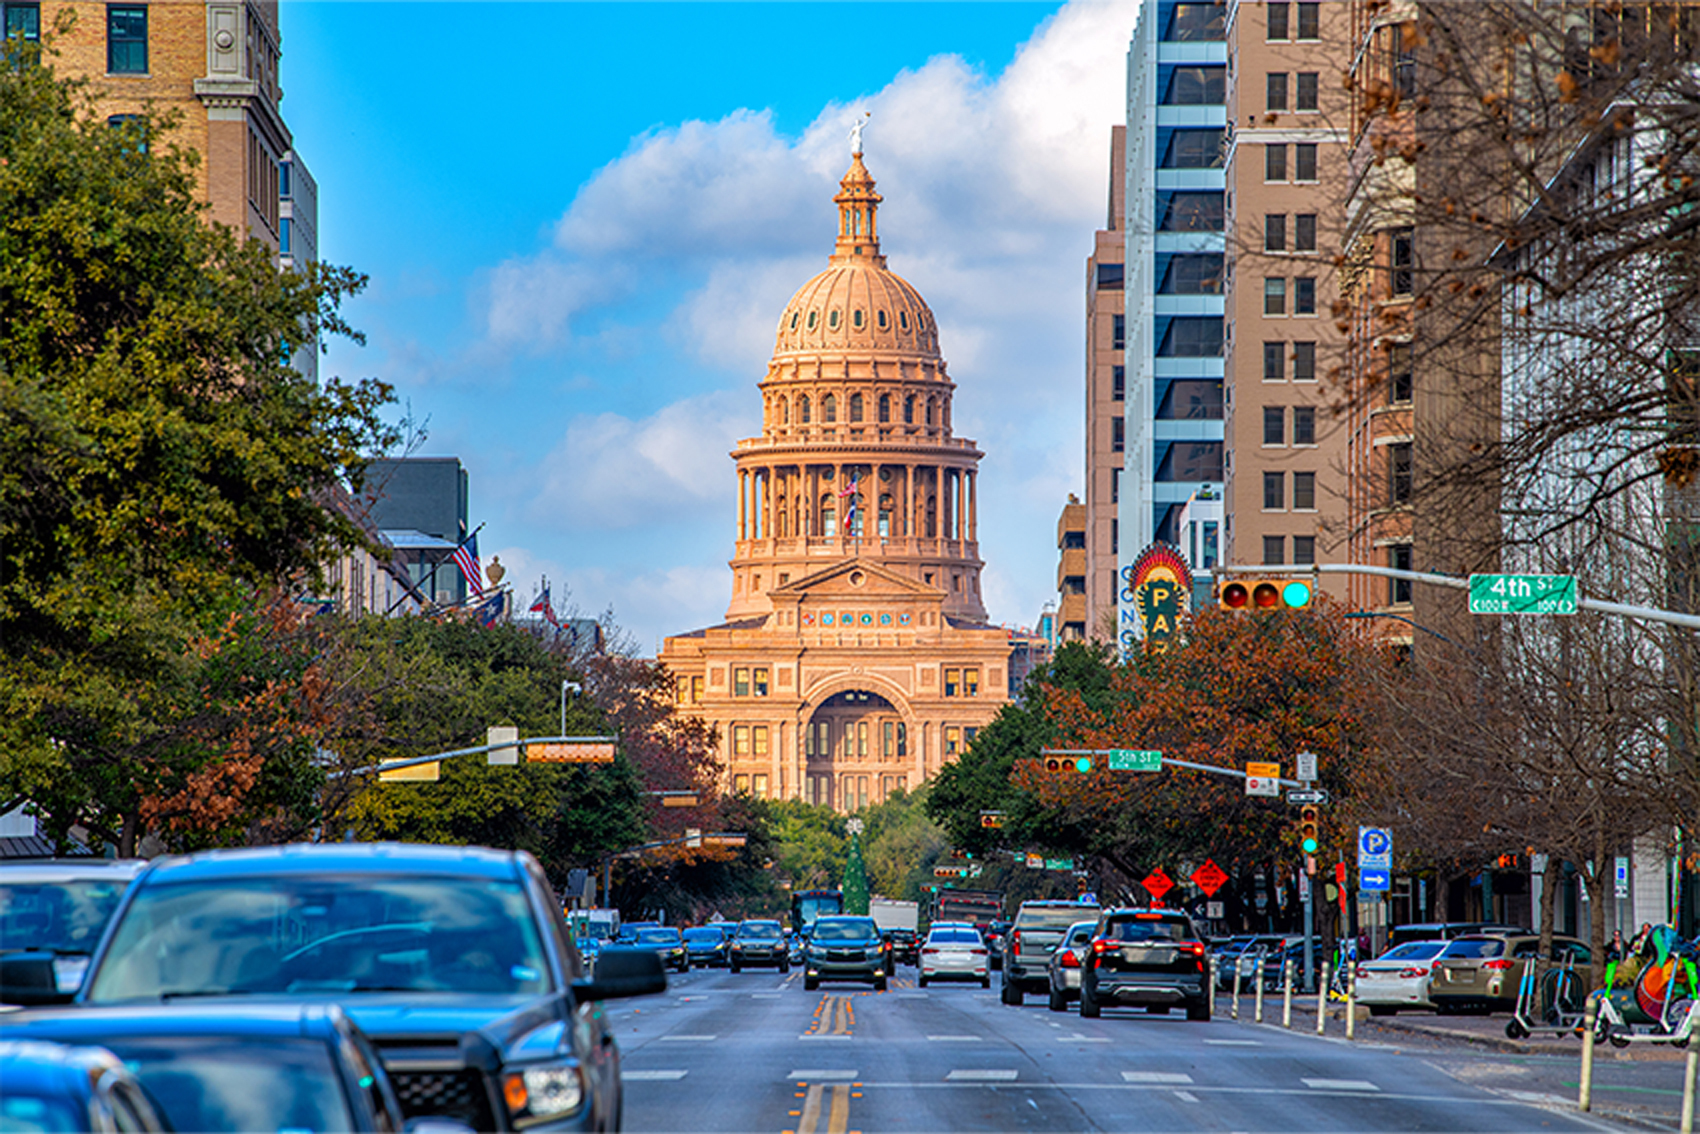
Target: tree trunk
129	835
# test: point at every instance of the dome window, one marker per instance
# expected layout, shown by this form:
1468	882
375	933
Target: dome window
803	403
794	316
812	315
855	408
902	320
885	408
856	319
829	409
882	320
832	319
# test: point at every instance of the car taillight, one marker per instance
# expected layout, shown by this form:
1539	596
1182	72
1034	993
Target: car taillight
1069	960
1412	974
978	952
1363	971
1498	966
1015	942
1196	948
928	952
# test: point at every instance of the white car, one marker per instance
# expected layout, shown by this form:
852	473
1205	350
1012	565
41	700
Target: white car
1399	978
955	952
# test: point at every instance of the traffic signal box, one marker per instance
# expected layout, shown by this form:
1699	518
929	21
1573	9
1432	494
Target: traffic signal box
1310	839
1081	764
1265	594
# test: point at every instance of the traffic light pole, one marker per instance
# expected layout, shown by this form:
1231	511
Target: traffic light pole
1214	769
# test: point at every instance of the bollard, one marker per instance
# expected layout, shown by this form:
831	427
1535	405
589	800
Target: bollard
1287	994
1235	1010
1257	992
1351	999
1590	1014
1212	977
1322	999
1688	1090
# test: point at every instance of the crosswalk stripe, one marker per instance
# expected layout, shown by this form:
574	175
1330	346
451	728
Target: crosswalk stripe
1157	1077
1340	1085
651	1076
988	1075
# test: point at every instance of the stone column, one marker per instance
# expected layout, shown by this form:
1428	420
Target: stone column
743	493
973	505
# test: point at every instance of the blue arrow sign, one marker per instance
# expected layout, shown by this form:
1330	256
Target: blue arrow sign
1374	880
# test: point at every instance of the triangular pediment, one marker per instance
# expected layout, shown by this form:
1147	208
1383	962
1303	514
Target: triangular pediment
854	579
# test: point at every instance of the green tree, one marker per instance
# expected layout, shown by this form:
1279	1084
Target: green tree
903	843
855	879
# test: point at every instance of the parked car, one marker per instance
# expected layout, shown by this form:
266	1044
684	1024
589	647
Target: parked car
1066	962
1037	931
1399	978
706	945
57	1087
997	937
1482	973
844	947
1447	930
1146	958
905	946
55	909
225	1068
759	943
455	961
954	952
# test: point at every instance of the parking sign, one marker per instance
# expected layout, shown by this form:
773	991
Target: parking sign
1375	848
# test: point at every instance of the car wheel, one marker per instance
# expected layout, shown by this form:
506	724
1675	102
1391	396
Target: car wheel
879	983
922	981
985	982
1058	1001
1011	994
1199	1012
732	966
784	966
811	983
1089	1009
1383	1010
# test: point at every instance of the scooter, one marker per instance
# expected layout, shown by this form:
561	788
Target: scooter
1561	987
1662	1005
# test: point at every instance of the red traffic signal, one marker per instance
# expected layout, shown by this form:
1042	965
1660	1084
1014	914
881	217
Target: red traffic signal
1265	594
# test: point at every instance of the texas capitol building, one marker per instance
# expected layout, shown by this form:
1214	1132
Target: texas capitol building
855	658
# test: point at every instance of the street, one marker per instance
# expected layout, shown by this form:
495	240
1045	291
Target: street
723	1052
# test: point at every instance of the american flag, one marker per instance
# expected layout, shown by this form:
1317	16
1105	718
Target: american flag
466	558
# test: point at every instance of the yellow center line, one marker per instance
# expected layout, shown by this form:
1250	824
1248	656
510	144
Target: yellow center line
839	1120
811	1110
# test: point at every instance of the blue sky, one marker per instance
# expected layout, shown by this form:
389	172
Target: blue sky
581	222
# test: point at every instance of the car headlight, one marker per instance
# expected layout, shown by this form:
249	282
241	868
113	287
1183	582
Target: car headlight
539	1093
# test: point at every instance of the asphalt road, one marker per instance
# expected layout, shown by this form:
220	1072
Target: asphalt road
755	1052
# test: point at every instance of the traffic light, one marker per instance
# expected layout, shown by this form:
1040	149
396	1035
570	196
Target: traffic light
1080	764
1310	840
992	819
1265	594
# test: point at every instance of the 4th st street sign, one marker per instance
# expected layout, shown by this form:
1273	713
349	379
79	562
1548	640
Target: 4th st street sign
1522	594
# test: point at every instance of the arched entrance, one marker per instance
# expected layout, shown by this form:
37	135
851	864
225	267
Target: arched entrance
856	751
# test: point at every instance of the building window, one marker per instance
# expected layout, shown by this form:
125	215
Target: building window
1304	232
862	740
126	39
952	681
902	740
23	21
740	784
952	740
1304	161
803	410
1197	86
1404	72
1304	550
741	682
885	409
1274	362
855	408
1115	486
284	170
909	410
1191	212
1118	435
1402	261
1310	22
1304	295
1279	26
758	681
1275	296
1274	550
1304	425
1118	383
1197	273
1304	91
1275	162
1115	536
971	681
1274	494
1118	332
741	740
1304	491
1275	232
887	750
1399	472
1399	373
1110	276
758	740
1192	337
758	785
1193	22
283	236
1399	558
1304	362
1275	91
1193	149
1274	425
829	409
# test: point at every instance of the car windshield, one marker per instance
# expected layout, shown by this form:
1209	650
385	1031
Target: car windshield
1060	917
953	937
221	1084
317	934
1153	929
64	917
1465	947
1414	951
759	929
843	930
708	936
658	937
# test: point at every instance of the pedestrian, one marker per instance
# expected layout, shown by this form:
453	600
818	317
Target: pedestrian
1614	951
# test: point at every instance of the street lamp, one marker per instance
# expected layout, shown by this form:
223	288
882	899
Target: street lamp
577	689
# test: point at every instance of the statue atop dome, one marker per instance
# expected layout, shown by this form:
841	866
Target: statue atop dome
856	133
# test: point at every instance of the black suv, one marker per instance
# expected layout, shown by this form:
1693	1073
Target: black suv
1153	959
455	961
905	947
52	913
844	948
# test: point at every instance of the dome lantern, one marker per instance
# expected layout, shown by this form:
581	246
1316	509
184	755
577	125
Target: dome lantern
858	217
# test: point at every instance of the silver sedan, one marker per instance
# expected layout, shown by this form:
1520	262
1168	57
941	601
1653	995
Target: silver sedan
1399	978
954	952
1066	962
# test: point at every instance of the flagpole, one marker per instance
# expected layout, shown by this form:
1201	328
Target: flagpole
429	594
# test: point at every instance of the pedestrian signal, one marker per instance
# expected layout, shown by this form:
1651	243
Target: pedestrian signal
1265	594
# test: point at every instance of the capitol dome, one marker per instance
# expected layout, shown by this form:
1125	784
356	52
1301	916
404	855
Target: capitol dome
857	304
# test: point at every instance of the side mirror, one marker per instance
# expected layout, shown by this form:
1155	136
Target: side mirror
29	978
623	973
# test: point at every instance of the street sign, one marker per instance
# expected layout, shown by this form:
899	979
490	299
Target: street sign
1157	883
1263	779
1375	848
1209	878
1620	884
1374	880
1132	760
1215	911
501	734
724	840
570	752
1306	795
1059	864
1522	594
418	774
1307	766
1304	886
1035	862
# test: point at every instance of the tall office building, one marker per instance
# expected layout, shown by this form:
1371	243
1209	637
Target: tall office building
1106	410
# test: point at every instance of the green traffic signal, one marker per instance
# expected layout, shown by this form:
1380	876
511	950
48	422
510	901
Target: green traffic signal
1310	840
1084	764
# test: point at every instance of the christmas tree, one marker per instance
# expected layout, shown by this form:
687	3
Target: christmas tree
855	874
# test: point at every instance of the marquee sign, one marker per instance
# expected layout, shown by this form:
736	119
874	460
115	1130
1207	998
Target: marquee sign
1155	591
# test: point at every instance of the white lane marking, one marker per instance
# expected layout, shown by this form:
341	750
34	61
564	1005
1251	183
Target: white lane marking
813	1036
1186	1096
1340	1084
651	1076
990	1076
1235	1043
690	1039
684	998
955	1039
811	1075
767	996
1078	1038
1157	1077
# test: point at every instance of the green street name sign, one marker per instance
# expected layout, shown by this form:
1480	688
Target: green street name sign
1132	760
1059	864
1522	594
